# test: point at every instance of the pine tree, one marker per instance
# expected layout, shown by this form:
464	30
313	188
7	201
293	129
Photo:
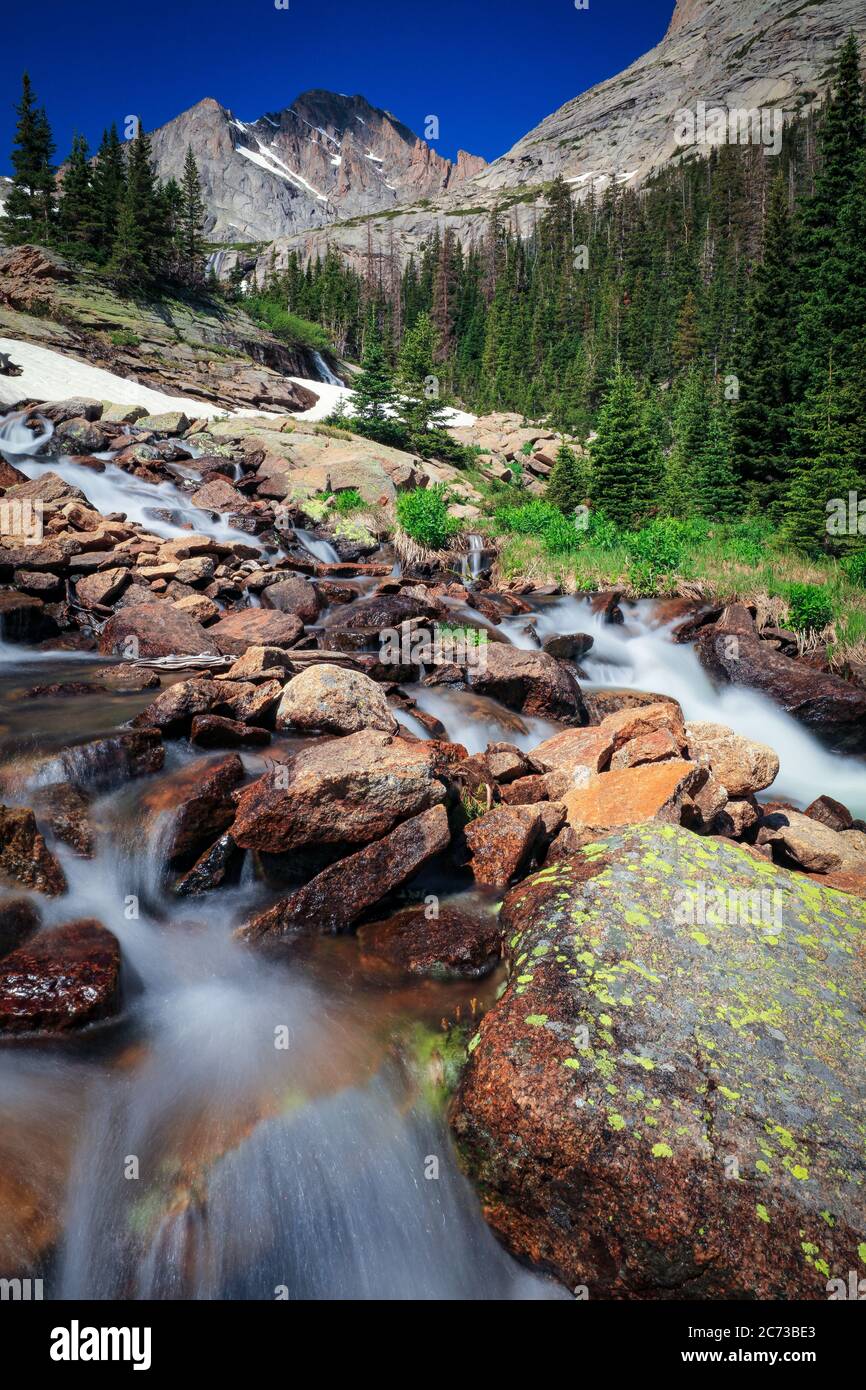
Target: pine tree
109	182
29	210
142	222
827	470
626	459
419	406
76	215
191	219
687	341
567	485
763	420
691	419
719	493
373	394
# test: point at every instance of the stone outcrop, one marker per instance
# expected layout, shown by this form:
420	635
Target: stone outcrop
60	980
664	1103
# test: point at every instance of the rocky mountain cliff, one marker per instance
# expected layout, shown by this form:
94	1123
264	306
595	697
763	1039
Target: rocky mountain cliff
730	53
325	157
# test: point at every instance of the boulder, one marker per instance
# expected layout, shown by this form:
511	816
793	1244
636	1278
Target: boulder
155	629
103	763
531	682
66	813
25	859
19	920
81	437
567	646
335	898
215	731
608	700
506	762
457	943
526	791
61	980
197	804
833	709
665	1103
293	595
334	700
258	663
656	791
199	607
740	764
169	422
501	843
211	868
813	845
655	746
632	723
830	812
103	587
344	791
255	627
23	618
574	751
174	709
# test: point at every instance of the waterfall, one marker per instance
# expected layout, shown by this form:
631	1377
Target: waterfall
322	551
325	373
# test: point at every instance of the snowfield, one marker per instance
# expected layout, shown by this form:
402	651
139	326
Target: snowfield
52	376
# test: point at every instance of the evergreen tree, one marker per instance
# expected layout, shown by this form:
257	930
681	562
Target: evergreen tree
687	341
190	222
763	420
719	493
109	182
567	485
373	394
827	470
30	211
76	216
691	419
626	459
142	226
419	406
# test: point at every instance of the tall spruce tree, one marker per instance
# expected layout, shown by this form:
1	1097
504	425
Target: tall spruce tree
568	484
373	394
141	234
691	419
76	215
190	222
109	183
763	418
719	491
30	206
826	471
420	407
626	457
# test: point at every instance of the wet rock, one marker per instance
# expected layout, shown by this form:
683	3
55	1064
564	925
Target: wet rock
567	646
198	607
40	583
156	629
334	700
65	812
295	596
603	702
830	812
103	763
19	920
576	752
215	731
607	605
48	487
531	682
643	1045
456	944
23	618
197	804
507	763
82	437
737	817
742	765
123	677
211	869
703	805
254	704
174	708
338	896
61	980
830	707
103	587
383	611
25	859
813	845
501	843
654	746
258	663
655	791
628	724
526	791
346	790
255	627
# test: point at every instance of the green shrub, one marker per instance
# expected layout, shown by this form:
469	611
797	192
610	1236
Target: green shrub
124	337
291	329
854	566
348	501
810	607
661	546
423	515
602	533
558	533
748	540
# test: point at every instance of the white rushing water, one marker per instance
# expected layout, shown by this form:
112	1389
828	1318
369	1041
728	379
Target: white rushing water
325	371
639	655
320	550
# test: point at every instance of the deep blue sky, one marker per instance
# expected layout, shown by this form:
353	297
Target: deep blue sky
489	69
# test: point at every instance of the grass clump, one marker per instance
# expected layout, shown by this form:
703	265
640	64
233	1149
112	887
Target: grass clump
423	515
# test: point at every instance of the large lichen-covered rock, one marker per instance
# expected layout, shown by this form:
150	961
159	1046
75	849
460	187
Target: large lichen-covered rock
668	1099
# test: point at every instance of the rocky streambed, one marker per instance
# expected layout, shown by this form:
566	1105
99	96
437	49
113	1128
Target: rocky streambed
363	929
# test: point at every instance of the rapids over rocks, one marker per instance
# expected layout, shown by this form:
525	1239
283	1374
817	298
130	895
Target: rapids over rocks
255	1125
